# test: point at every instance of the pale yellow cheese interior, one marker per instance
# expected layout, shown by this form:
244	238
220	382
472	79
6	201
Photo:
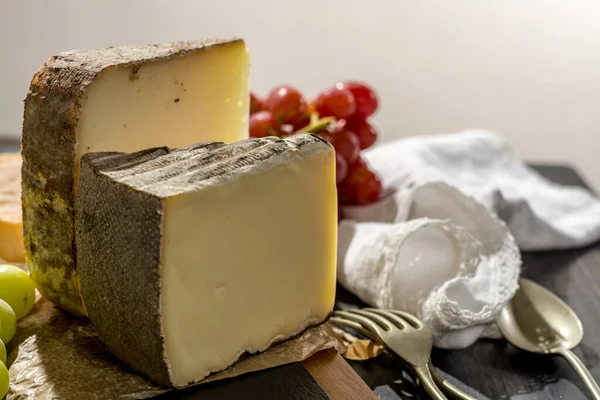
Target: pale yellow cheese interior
202	96
11	222
246	263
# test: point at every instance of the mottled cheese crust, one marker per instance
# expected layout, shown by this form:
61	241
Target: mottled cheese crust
189	258
116	99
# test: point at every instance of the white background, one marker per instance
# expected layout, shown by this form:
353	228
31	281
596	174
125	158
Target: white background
529	70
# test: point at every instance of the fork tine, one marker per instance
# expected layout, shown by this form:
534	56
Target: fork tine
367	323
414	321
400	323
351	324
384	323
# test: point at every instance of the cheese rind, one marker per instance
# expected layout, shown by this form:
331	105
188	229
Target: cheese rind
189	258
116	99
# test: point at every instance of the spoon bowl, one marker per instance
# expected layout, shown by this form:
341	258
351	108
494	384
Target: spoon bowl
538	321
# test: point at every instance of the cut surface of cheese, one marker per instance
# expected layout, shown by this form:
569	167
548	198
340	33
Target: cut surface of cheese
116	99
189	258
11	224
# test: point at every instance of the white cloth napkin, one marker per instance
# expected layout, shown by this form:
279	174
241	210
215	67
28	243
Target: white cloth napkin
434	245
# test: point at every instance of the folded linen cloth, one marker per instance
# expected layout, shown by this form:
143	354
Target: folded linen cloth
442	242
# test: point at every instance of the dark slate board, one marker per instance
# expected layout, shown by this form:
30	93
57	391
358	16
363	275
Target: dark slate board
495	369
291	381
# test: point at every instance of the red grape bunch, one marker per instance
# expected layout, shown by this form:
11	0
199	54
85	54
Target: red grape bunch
339	115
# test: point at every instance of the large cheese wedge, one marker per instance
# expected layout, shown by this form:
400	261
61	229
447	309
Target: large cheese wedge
11	224
116	99
189	258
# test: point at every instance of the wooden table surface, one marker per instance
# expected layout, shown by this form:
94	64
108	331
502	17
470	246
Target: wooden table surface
487	370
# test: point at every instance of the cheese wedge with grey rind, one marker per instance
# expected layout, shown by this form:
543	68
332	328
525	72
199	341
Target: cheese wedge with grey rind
190	258
116	99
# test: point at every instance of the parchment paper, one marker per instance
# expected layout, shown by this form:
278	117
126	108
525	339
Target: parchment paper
55	355
356	348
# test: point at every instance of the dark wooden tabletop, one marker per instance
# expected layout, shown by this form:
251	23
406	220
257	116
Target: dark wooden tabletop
487	370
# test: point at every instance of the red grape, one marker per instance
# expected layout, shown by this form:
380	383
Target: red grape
256	104
360	187
345	143
366	132
284	131
358	163
300	122
286	103
338	126
341	168
338	103
262	124
364	96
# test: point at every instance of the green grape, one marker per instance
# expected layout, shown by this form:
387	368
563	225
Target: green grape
17	289
2	353
8	321
3	380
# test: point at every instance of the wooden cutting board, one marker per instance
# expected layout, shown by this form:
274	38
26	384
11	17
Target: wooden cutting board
336	377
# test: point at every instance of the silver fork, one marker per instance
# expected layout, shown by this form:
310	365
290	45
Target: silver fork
405	335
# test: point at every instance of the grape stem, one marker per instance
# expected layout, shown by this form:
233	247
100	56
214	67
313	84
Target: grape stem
316	124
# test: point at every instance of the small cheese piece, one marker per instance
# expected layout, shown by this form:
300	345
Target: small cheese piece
116	99
189	258
11	224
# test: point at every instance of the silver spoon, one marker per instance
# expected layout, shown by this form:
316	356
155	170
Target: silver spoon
536	320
